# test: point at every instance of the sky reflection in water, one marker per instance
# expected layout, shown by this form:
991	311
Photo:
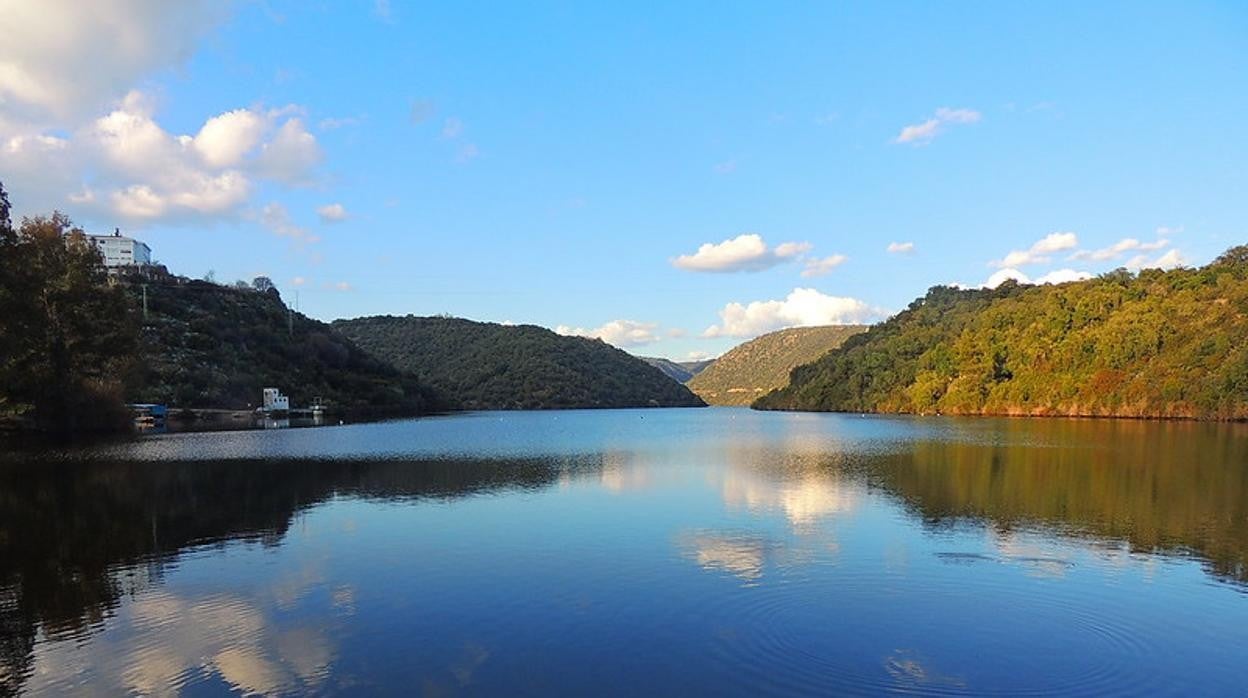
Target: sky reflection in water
628	552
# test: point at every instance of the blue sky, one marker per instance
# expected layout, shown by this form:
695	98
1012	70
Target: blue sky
562	163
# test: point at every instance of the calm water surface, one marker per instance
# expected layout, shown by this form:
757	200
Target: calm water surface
633	552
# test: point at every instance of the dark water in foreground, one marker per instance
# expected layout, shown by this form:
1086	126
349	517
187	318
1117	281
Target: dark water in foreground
670	552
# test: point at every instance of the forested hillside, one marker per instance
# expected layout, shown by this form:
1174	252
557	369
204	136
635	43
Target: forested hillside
1152	344
753	369
478	365
679	371
206	345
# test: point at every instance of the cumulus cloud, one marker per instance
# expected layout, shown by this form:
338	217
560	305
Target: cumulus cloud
923	133
332	213
1171	259
820	267
746	252
804	307
1058	276
900	247
1120	248
620	333
64	60
291	155
1040	252
225	139
126	164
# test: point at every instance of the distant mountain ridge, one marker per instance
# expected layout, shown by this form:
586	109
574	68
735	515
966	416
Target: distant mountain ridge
679	371
755	368
479	365
1157	344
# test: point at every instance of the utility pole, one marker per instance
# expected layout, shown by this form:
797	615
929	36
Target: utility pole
144	302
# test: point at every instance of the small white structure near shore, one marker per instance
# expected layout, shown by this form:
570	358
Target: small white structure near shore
274	401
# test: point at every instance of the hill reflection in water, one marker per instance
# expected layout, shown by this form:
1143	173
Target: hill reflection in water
162	565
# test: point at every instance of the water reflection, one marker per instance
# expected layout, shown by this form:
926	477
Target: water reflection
77	538
1179	488
724	552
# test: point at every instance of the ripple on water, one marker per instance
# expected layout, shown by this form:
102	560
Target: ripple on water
825	633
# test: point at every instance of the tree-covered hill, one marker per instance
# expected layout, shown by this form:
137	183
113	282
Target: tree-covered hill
206	345
752	369
477	365
1152	344
679	371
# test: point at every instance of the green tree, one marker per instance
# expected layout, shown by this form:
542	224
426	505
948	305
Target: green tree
67	336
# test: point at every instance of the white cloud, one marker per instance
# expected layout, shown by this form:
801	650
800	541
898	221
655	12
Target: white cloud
1120	248
1004	275
746	252
677	332
1039	252
125	164
298	281
1164	230
900	247
291	155
1062	276
64	60
1058	276
697	356
1171	259
276	218
225	139
804	307
332	213
820	267
923	133
725	167
620	333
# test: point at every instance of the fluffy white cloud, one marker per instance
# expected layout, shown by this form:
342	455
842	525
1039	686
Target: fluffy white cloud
900	247
125	164
1058	276
820	267
1120	248
804	307
620	333
1004	275
1171	259
1039	252
225	139
332	213
746	252
923	133
64	60
1062	276
291	155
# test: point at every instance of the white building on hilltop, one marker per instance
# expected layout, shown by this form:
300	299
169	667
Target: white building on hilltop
121	251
